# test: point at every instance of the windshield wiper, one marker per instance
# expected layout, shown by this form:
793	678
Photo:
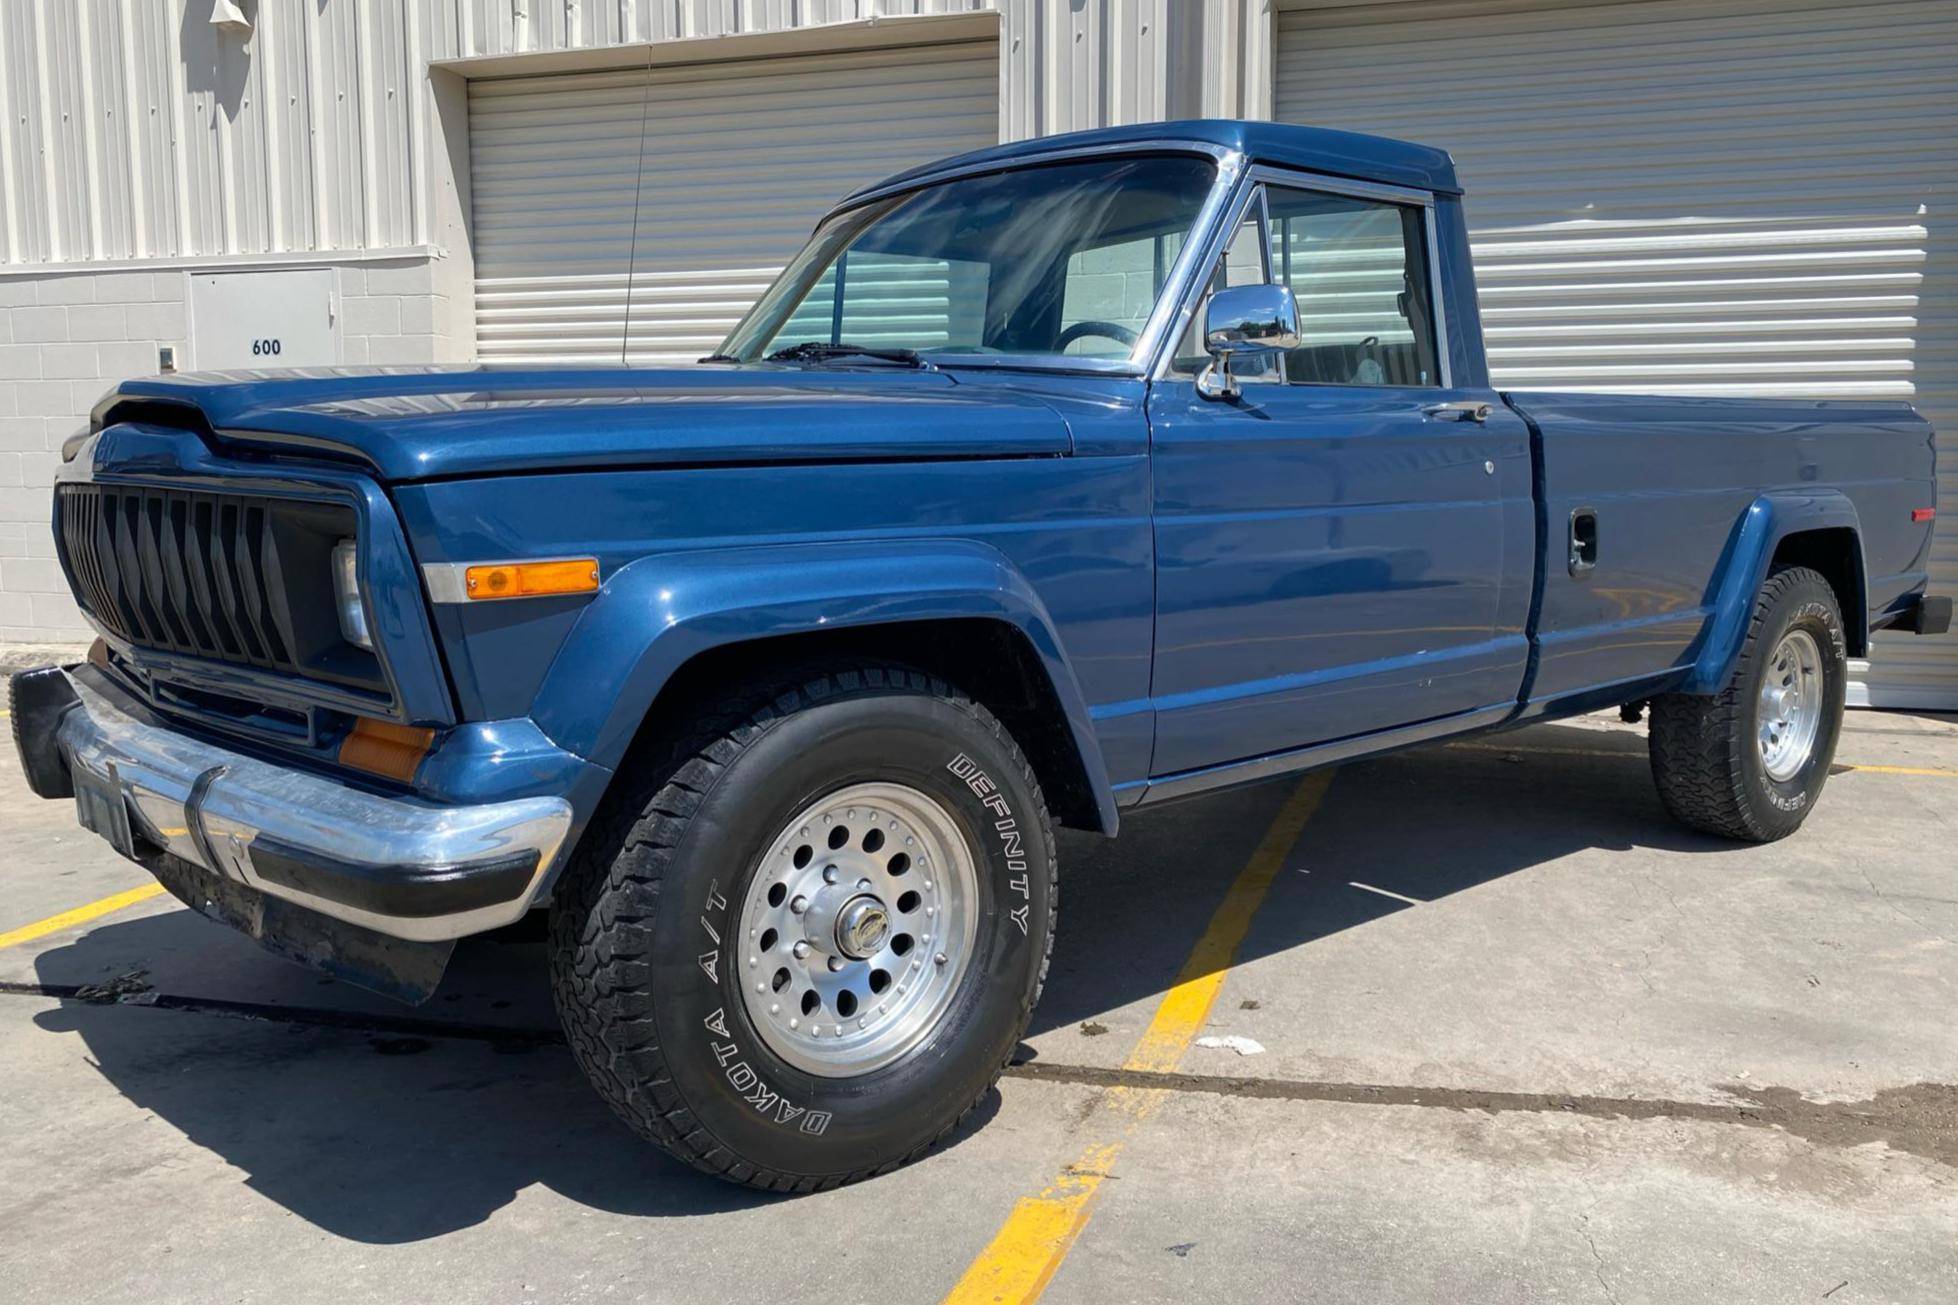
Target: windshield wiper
718	357
822	351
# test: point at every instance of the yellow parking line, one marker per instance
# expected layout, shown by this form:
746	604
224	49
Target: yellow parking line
80	915
1024	1254
1928	771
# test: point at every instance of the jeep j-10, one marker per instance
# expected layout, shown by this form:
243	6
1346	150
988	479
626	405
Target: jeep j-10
1047	481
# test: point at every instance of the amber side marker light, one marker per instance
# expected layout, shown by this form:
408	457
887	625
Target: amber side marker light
577	575
384	748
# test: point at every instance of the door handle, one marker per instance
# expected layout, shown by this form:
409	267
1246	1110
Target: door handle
1583	541
1459	410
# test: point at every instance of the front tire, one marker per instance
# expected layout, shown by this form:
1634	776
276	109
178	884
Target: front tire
804	944
1750	761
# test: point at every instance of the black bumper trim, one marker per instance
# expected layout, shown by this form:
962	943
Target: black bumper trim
39	699
418	894
1932	615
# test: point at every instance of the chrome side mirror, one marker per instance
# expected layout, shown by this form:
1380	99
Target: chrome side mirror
1245	319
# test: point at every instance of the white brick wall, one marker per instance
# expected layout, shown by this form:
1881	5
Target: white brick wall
67	335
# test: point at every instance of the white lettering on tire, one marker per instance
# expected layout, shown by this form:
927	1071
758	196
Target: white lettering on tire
742	1077
1007	827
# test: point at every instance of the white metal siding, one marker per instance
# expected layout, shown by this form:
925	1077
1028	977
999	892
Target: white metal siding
133	129
136	130
740	160
1689	196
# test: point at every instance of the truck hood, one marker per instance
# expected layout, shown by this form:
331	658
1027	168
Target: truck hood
412	424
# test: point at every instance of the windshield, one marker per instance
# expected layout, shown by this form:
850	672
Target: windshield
1064	260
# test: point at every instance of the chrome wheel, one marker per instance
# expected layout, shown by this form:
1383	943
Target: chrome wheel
857	928
1789	712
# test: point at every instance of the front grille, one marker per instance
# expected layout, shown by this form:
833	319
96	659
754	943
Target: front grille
228	577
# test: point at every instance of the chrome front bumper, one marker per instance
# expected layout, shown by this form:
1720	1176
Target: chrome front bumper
397	867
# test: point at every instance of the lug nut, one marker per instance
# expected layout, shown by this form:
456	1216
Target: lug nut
799	905
801	950
835	964
831	874
863	885
938	959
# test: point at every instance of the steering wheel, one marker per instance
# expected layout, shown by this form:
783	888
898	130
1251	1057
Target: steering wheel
1119	334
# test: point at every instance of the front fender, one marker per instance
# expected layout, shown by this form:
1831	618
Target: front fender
655	614
1769	519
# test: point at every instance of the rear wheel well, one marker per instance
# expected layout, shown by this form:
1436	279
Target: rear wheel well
1835	554
989	660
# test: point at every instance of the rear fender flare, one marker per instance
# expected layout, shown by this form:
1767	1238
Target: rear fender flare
655	614
1768	520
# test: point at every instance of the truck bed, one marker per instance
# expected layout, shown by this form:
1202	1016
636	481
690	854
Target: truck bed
1672	482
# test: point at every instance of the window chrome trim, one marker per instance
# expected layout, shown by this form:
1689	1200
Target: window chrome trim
1192	284
1438	303
1165	322
1321	182
1255	179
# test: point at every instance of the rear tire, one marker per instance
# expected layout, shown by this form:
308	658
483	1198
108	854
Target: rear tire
1750	761
674	937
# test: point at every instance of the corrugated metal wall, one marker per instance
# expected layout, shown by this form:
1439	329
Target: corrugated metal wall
134	129
137	130
1689	196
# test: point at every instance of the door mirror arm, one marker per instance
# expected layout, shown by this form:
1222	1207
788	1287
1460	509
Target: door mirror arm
1245	319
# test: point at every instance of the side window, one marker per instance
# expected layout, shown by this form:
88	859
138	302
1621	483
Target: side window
1359	269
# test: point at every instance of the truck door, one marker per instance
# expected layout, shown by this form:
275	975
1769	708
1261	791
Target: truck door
1348	545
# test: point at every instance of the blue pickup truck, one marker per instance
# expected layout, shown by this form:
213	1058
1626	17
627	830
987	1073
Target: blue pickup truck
1047	481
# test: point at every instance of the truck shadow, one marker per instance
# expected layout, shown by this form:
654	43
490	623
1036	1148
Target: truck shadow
386	1136
385	1139
1419	825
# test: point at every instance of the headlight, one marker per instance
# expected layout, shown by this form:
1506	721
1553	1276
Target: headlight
346	596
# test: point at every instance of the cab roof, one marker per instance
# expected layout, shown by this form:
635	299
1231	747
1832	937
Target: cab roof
1317	149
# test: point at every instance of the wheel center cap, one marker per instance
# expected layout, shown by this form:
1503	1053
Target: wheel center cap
861	927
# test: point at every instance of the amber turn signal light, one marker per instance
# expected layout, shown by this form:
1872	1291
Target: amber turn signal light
384	748
576	575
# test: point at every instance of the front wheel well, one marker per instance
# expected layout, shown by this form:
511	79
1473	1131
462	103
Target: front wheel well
990	660
1836	554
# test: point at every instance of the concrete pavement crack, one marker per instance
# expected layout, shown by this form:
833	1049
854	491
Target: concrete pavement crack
1597	1271
1884	897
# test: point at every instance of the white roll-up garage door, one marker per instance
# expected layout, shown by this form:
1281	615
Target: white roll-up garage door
741	159
1689	196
